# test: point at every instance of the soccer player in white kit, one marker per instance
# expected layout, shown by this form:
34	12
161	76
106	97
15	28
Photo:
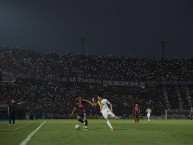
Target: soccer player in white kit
104	109
148	113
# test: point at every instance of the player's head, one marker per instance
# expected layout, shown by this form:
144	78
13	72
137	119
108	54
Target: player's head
78	99
12	101
99	97
136	105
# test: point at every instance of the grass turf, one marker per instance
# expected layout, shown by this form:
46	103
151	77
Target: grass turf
62	132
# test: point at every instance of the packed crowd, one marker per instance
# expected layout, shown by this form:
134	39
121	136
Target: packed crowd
91	66
57	100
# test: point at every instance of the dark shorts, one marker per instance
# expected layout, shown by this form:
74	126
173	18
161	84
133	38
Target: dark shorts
82	114
136	115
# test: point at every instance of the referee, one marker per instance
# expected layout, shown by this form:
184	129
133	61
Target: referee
11	112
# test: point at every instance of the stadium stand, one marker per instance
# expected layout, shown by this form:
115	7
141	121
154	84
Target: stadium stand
49	82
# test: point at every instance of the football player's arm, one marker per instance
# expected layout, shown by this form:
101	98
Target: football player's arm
89	102
73	111
94	103
111	106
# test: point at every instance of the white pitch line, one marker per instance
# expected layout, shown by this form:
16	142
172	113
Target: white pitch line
24	142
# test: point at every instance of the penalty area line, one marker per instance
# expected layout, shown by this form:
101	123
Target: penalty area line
25	141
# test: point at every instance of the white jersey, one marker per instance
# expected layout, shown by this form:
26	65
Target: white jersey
148	111
106	112
148	114
105	104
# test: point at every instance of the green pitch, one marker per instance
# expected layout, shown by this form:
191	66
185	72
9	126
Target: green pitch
62	132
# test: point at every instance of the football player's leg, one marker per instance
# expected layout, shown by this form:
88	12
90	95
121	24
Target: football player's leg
13	119
10	118
113	115
148	117
108	123
137	116
105	115
85	120
79	118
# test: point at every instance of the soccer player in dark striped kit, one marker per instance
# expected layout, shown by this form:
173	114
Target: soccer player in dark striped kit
82	115
136	112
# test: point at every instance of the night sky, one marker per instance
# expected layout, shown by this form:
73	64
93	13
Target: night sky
116	27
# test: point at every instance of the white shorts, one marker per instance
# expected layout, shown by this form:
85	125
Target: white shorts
148	115
107	114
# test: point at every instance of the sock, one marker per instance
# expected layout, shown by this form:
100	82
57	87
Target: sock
86	122
80	120
109	124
